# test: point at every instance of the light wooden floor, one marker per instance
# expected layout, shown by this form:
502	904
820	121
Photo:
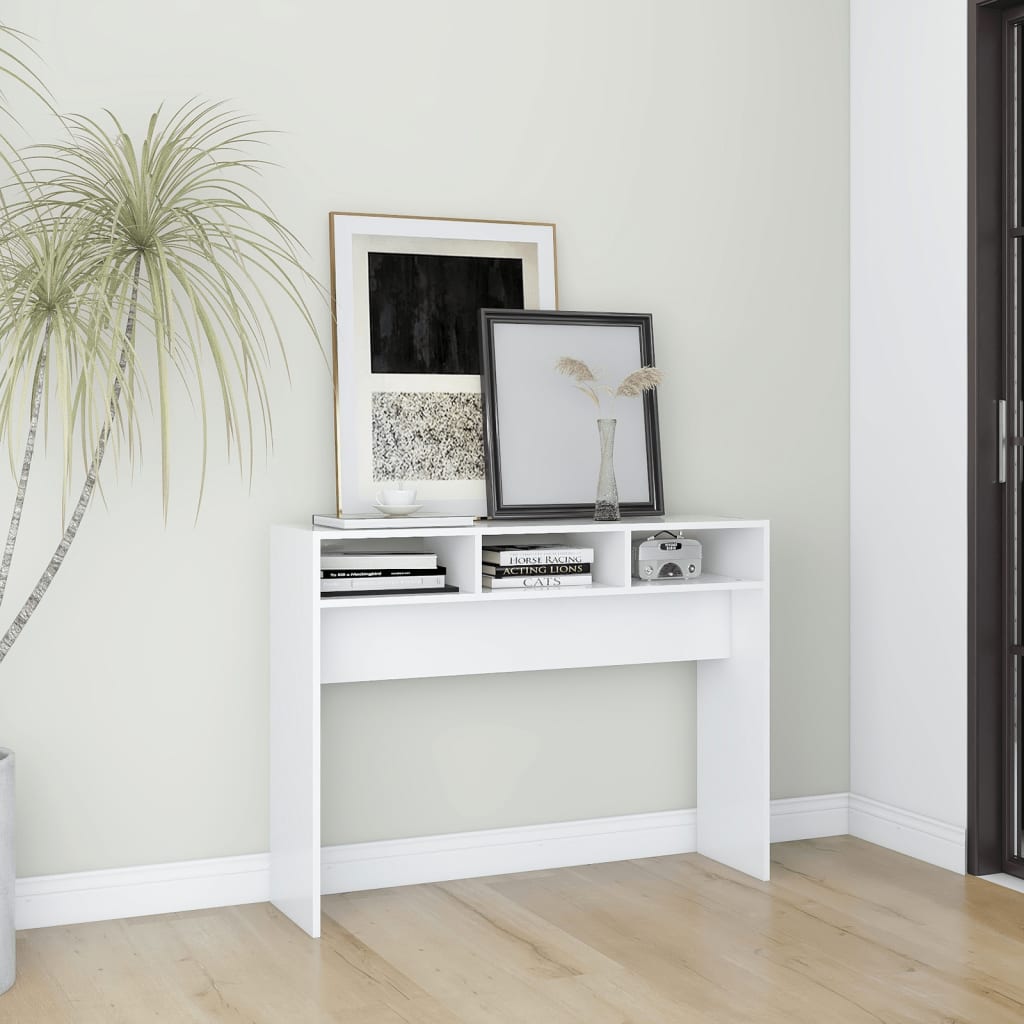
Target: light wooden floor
845	931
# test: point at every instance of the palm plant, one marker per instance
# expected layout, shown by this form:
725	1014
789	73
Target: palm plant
15	69
124	266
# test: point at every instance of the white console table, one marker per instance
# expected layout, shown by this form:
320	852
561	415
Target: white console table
719	620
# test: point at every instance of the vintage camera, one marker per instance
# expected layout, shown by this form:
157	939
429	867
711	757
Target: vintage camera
666	556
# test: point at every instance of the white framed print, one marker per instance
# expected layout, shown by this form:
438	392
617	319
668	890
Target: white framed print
406	294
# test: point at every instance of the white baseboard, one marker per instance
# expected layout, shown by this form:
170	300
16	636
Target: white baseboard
810	817
50	900
506	850
934	842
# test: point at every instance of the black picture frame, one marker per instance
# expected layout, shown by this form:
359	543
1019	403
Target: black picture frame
509	387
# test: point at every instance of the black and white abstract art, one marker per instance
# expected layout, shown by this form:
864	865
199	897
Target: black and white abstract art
406	294
424	309
427	436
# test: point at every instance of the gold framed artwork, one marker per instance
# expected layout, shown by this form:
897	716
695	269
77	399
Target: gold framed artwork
406	294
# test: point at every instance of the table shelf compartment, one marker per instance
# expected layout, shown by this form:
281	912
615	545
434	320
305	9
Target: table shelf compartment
608	568
457	553
734	559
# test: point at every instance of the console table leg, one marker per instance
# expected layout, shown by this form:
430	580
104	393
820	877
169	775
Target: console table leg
733	719
295	729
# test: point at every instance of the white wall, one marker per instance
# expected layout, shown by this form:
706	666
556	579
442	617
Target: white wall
908	398
694	156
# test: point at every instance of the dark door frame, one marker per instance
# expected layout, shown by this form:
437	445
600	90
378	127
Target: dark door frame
989	738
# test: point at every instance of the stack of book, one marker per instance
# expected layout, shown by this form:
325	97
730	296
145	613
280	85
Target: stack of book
536	566
346	573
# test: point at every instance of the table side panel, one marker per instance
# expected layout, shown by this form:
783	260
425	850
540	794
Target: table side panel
733	730
295	727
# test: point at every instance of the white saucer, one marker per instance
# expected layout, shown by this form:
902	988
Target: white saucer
398	510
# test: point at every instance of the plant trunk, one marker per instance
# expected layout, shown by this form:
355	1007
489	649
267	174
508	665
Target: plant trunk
26	463
71	530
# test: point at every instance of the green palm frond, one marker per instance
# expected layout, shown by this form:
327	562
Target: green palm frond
47	270
15	53
124	265
16	57
181	206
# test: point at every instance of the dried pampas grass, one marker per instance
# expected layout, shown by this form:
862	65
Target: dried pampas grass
584	376
633	386
645	379
575	368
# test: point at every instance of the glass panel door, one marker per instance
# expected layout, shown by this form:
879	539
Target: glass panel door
1013	412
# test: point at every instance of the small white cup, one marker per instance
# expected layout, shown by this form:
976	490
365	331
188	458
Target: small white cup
397	496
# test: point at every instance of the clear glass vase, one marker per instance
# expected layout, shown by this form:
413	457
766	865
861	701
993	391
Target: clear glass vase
606	505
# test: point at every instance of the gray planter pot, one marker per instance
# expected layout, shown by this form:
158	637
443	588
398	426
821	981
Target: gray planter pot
6	869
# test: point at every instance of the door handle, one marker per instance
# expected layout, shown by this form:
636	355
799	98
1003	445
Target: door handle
1001	441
